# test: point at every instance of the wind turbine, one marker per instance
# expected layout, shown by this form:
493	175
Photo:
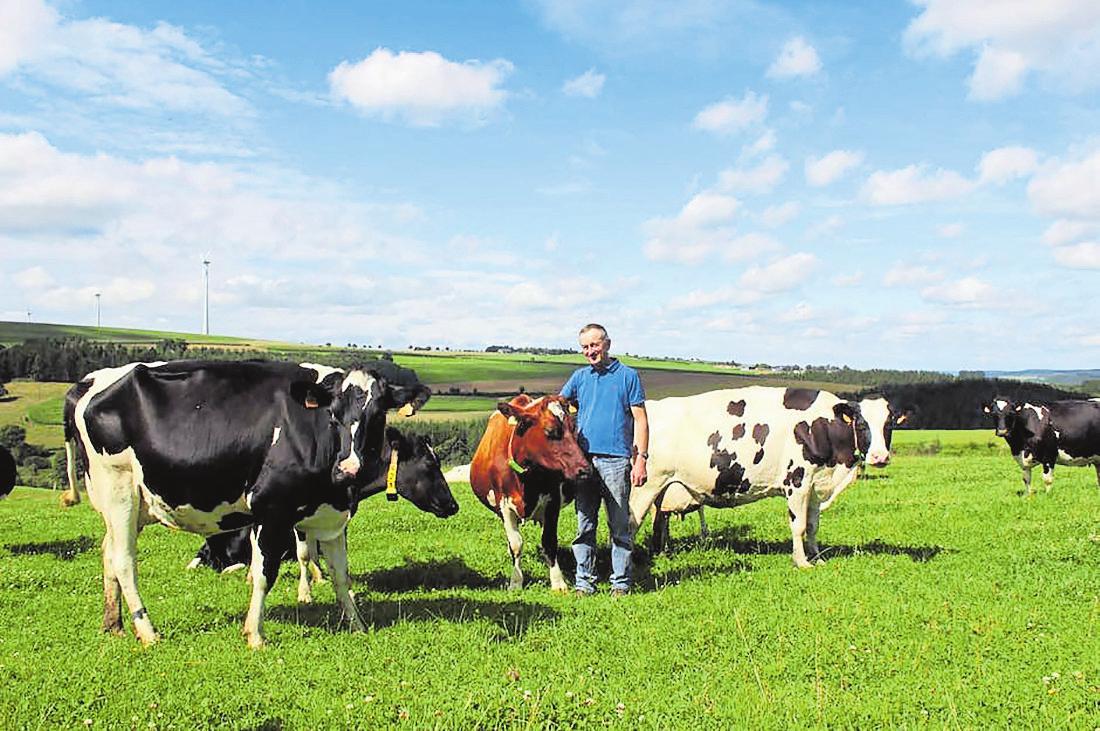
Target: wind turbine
206	296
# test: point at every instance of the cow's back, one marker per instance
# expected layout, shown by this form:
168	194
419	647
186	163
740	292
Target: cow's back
733	446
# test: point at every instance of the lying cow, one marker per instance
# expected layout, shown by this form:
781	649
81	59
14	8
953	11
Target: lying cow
208	447
1062	432
881	418
414	474
732	447
529	447
7	473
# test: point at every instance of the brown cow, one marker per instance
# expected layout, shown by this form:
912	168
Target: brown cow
528	448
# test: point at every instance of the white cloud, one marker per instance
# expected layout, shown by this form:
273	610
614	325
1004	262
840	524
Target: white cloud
1060	39
797	58
698	231
708	208
33	278
162	70
908	275
968	291
1065	232
848	280
764	143
748	246
424	88
732	115
589	85
1007	163
1085	255
827	227
759	179
951	230
914	184
824	170
780	275
1068	188
777	215
800	312
24	26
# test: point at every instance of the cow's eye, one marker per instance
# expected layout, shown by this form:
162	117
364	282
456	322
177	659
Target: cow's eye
554	432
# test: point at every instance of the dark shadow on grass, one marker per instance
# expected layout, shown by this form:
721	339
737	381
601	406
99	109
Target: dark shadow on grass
452	573
66	549
512	616
270	724
738	540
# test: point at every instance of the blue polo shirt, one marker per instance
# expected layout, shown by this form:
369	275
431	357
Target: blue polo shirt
604	397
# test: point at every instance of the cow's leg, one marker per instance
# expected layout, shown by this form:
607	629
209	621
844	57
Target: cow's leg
798	509
336	554
112	592
549	546
658	539
813	520
704	532
1025	470
301	549
515	542
1048	476
71	496
1097	466
123	515
268	544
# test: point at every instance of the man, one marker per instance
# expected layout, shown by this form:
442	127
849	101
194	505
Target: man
614	431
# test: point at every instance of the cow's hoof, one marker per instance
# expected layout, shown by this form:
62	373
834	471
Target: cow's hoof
305	598
515	585
560	590
115	630
256	642
149	640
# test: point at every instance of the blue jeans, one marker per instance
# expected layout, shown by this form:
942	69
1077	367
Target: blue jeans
611	485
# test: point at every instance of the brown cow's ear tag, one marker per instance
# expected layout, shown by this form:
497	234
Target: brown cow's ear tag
572	409
513	421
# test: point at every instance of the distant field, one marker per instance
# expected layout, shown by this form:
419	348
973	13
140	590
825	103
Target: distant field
36	407
17	332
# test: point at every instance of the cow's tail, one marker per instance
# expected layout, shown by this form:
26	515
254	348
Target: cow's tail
71	496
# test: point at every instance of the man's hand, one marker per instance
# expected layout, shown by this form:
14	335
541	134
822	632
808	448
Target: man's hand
638	474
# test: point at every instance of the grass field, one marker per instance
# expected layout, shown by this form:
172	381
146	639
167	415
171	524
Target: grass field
946	600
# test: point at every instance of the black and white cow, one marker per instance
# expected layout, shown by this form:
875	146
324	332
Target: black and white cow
7	473
881	417
1061	432
732	447
208	447
414	474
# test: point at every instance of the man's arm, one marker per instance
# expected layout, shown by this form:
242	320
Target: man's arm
638	473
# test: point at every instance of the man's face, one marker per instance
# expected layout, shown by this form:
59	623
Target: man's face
595	347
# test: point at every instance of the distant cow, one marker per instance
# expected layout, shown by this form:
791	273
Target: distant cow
1061	432
881	418
208	447
7	473
529	447
414	474
732	447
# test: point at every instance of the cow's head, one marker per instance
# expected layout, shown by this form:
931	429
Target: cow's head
881	418
546	436
1005	412
1027	418
357	402
851	422
419	477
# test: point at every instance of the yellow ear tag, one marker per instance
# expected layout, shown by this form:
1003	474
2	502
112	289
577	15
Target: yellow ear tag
512	420
572	409
847	419
902	419
407	410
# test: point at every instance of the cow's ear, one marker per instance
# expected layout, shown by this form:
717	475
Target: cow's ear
515	414
409	399
310	395
846	411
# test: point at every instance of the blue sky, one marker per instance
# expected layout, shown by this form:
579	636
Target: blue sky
879	184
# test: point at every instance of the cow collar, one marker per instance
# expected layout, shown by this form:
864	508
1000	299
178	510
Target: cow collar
391	474
512	463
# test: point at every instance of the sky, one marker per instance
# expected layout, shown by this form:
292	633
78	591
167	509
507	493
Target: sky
876	184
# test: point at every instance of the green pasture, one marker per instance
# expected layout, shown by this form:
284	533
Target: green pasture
17	332
945	600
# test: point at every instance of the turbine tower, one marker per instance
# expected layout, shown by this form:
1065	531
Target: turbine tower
97	310
206	296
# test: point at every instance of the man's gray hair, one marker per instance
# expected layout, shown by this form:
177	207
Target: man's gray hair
594	326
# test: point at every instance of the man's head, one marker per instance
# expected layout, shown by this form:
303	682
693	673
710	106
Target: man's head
595	345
